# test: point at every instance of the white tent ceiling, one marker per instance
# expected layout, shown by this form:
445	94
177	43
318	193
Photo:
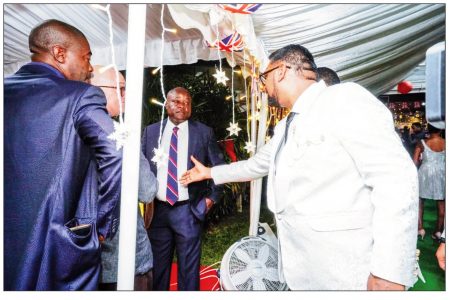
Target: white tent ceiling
376	45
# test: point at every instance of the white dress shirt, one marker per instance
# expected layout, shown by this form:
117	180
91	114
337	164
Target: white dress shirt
182	159
343	189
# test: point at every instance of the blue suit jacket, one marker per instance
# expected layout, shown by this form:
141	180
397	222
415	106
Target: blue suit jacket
52	129
203	146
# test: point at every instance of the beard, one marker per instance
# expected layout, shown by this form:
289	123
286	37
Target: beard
273	101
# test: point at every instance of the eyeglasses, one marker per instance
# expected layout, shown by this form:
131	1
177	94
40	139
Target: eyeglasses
263	76
122	88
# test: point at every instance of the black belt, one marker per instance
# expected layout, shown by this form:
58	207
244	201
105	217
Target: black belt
178	203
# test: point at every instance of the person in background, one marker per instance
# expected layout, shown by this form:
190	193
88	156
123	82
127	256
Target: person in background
328	75
55	125
440	252
416	134
179	212
345	207
143	281
429	156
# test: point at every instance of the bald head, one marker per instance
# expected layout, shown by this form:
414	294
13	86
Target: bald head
50	33
106	80
63	47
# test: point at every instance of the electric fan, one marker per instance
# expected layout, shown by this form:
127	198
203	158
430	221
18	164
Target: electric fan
251	264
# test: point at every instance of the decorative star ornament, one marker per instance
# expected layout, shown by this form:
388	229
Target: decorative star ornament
234	129
119	135
250	147
221	77
160	157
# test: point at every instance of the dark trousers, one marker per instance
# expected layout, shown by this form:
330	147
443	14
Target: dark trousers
142	282
175	227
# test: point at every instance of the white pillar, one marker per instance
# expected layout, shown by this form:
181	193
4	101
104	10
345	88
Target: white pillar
131	150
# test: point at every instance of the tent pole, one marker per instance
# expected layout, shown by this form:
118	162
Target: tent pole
131	150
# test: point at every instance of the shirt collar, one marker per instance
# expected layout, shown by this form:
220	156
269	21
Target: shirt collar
307	98
182	126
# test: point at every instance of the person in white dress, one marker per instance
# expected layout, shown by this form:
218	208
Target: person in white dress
430	156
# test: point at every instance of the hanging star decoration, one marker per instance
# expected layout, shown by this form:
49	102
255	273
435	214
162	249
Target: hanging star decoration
221	77
234	129
160	157
250	147
119	135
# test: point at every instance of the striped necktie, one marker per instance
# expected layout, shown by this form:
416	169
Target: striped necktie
172	183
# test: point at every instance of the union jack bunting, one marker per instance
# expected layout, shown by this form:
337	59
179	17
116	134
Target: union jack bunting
241	8
233	42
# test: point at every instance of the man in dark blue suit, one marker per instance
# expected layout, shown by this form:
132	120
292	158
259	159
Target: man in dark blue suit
179	211
54	124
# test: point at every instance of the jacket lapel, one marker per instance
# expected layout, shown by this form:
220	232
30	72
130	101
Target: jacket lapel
192	144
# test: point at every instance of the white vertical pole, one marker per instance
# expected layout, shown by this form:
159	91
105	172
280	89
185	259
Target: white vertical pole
131	150
256	185
254	199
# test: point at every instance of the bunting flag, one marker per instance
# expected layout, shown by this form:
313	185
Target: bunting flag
245	9
231	43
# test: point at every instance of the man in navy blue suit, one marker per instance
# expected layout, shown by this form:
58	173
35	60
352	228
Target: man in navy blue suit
180	211
54	125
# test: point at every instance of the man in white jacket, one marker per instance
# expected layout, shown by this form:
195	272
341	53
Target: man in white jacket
345	197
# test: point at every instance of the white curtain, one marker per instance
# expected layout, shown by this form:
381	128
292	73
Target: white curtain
375	45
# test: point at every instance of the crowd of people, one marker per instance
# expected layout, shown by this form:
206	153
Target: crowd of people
345	198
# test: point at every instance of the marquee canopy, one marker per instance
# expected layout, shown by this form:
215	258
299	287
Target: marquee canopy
375	45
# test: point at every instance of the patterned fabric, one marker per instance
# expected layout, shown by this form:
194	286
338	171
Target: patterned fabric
233	42
172	183
244	9
432	174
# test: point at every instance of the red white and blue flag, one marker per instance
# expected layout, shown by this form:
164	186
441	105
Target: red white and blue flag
240	8
233	42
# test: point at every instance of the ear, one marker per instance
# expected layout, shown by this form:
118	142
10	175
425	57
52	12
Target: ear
59	53
281	72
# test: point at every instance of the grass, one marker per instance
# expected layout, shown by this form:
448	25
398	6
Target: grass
219	237
434	276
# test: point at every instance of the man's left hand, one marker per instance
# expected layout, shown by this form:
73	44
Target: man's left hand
375	283
209	204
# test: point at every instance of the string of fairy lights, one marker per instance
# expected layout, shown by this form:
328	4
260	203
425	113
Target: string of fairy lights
120	133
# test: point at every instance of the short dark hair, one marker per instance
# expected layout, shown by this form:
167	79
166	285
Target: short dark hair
296	55
328	75
52	32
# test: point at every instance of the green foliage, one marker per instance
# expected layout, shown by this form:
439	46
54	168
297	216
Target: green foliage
209	106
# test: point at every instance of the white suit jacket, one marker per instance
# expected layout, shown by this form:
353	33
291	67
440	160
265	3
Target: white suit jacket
343	189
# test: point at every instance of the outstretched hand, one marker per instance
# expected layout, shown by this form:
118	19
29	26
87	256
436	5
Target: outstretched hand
198	173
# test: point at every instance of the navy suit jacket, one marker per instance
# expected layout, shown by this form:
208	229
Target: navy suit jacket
203	146
53	127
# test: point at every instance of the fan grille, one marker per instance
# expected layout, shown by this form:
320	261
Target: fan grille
253	248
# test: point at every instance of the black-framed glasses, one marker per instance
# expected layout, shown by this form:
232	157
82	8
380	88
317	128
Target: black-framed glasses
122	88
263	76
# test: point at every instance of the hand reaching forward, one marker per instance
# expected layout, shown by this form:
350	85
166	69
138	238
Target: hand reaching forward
198	173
